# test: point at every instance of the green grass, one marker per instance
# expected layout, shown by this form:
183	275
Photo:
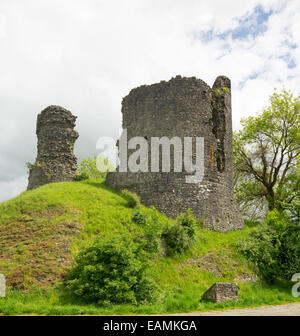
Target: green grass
178	300
42	230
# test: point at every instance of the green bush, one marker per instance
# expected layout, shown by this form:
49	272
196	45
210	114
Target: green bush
188	221
112	271
274	248
153	231
139	218
82	176
176	238
152	242
151	238
133	200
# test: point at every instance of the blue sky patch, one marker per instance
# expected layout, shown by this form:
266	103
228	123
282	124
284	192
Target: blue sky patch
289	60
253	24
252	76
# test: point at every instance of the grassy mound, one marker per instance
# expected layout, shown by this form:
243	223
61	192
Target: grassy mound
42	230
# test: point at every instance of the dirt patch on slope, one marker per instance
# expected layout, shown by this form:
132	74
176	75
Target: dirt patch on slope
36	247
220	264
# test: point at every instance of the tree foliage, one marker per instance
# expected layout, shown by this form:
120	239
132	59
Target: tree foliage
274	247
93	168
266	154
112	271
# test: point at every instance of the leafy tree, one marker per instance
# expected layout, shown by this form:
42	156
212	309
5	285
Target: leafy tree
94	168
266	154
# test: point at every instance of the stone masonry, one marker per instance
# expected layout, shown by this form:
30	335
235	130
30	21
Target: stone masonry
2	285
184	107
55	160
222	291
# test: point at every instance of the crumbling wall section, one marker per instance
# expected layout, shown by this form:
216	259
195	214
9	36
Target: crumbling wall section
55	160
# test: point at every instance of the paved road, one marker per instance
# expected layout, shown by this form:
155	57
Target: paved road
291	309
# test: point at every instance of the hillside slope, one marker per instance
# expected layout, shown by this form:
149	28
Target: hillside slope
43	229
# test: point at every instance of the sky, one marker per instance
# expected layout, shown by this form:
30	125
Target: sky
87	55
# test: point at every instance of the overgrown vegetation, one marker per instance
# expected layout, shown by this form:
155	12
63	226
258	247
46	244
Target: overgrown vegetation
112	271
180	235
43	230
267	183
188	221
267	157
274	247
152	228
139	218
93	168
132	198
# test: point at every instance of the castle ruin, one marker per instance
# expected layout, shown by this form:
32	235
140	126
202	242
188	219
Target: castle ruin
55	160
184	107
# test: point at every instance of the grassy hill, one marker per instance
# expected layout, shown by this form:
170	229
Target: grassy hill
42	230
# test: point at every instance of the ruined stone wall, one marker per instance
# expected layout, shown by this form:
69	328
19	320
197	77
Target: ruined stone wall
185	107
55	160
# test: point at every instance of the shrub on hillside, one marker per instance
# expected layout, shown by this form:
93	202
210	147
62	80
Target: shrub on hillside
151	238
274	247
179	236
133	200
176	238
139	218
81	176
153	231
111	272
188	221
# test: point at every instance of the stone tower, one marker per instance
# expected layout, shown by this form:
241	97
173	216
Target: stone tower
55	160
184	107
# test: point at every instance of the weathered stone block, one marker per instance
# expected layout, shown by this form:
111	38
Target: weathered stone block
2	285
222	291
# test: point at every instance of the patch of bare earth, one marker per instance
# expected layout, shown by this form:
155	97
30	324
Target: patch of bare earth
36	247
219	264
